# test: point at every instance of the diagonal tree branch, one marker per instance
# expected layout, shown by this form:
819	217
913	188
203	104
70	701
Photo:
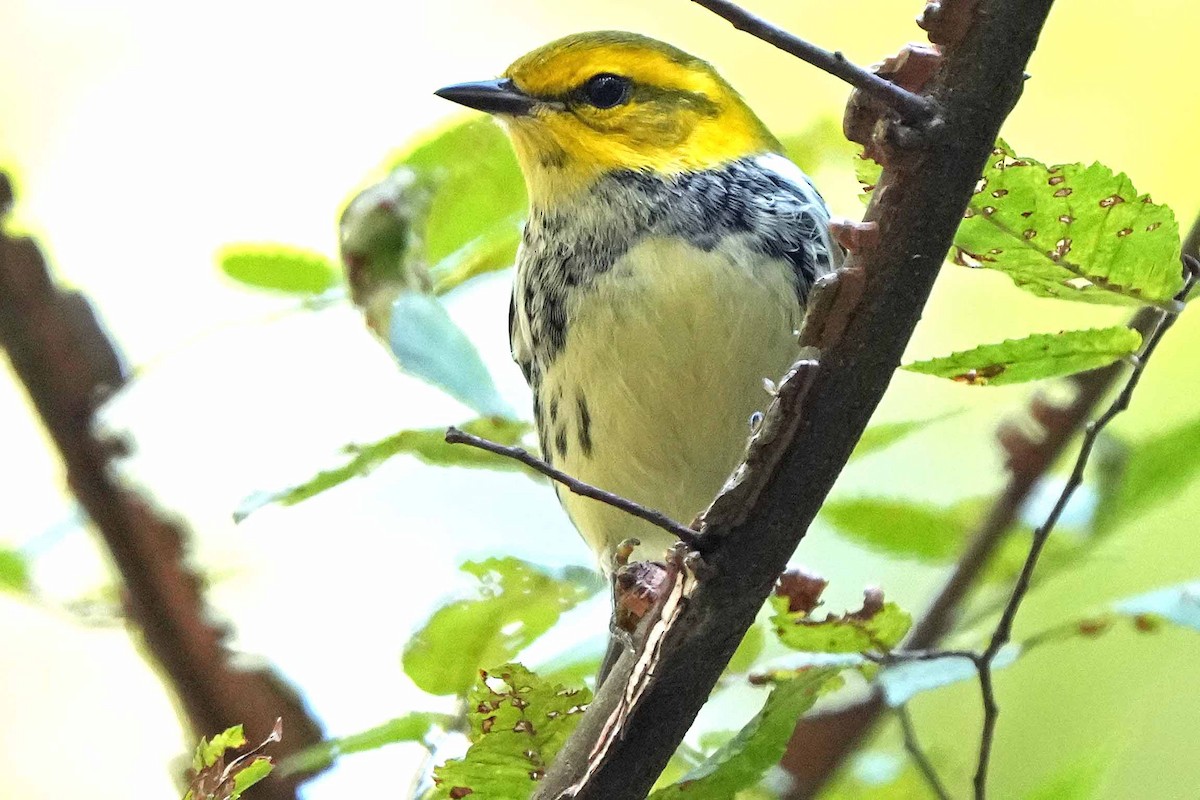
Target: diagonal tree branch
642	711
839	732
910	106
67	362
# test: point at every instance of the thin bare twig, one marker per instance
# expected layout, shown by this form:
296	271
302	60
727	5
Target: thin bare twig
913	746
1003	632
656	518
911	107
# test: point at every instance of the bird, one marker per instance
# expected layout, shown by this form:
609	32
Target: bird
665	265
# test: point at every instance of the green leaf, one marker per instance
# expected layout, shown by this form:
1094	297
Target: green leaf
208	751
819	144
493	250
428	444
1042	355
518	724
876	626
868	173
885	434
1157	470
428	345
1071	232
901	527
250	774
413	727
278	268
748	650
742	761
477	186
14	572
516	602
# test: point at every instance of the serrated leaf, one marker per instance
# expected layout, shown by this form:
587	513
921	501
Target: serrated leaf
477	187
742	761
1070	231
876	626
518	723
278	268
1042	355
14	572
427	444
208	751
428	345
219	774
902	528
515	603
412	727
1156	471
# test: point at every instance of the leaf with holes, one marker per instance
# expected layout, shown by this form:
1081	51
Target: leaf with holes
216	778
876	626
413	727
1070	231
518	723
742	761
278	268
515	603
1042	355
427	444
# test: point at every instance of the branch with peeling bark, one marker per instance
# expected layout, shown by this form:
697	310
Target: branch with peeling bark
642	711
66	362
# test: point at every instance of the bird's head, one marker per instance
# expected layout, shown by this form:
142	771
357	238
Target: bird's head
594	103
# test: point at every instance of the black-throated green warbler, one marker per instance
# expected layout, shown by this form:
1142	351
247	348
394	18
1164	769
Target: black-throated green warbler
663	274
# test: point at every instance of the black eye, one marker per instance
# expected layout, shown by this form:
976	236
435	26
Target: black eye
606	90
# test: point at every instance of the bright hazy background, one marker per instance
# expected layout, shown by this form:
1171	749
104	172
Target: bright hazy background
145	135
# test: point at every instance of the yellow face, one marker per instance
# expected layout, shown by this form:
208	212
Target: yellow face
608	101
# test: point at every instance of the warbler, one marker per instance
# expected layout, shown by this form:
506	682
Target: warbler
662	277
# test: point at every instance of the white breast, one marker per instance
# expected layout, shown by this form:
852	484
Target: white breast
667	352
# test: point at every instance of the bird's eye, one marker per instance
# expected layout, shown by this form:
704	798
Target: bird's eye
606	90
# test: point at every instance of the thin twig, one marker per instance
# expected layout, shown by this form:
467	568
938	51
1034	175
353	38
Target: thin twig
913	746
1003	632
656	518
911	107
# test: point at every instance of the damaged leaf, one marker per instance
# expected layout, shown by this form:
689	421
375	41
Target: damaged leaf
878	625
518	723
1071	232
1042	355
219	777
516	602
742	761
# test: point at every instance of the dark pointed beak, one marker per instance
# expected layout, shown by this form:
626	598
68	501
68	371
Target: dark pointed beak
500	96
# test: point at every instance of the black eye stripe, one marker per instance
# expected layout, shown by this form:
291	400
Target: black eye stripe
606	90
